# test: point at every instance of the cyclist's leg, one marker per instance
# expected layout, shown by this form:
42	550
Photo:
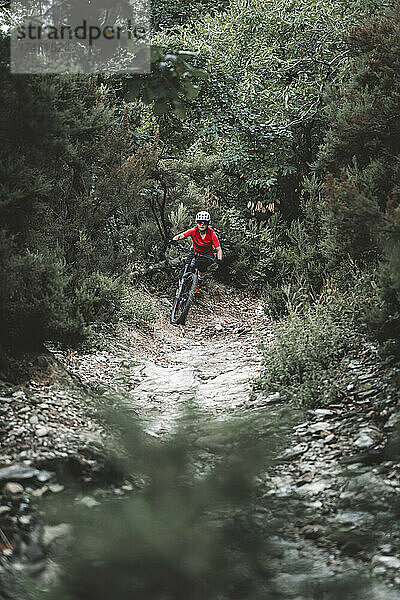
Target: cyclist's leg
202	264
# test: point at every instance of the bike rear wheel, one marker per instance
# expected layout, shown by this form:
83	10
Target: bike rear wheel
184	299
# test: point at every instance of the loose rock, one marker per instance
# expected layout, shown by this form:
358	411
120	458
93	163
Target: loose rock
42	431
12	489
388	562
18	472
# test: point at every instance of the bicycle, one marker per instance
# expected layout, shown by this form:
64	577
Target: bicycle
186	288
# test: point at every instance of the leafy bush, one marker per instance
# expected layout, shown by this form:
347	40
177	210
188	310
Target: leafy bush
295	268
80	201
99	296
38	301
306	359
360	164
383	317
180	218
138	308
284	261
33	297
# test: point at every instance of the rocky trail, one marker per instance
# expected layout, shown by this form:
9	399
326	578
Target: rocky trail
348	517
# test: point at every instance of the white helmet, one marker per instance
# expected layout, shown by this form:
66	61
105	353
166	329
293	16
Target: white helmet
203	215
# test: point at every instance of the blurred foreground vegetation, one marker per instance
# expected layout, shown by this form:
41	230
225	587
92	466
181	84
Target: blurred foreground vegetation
194	525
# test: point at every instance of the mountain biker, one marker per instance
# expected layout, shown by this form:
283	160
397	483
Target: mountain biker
204	240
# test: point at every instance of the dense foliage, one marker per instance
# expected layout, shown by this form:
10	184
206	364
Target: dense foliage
361	158
73	177
83	199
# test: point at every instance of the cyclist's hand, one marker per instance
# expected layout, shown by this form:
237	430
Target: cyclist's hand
173	242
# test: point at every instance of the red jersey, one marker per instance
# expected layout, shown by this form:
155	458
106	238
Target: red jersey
203	244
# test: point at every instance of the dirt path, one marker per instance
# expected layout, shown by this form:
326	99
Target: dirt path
209	364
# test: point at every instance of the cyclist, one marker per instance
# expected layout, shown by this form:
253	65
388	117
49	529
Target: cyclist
204	240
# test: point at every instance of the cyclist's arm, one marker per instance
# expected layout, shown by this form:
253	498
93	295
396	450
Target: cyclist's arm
217	246
185	234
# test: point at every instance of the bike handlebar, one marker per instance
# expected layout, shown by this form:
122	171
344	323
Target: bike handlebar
193	251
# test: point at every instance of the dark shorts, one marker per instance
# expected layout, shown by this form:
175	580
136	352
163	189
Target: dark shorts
202	262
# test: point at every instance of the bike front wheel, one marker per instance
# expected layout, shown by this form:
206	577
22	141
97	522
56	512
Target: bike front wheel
183	300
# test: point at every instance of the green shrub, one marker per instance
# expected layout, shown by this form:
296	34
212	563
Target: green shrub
138	308
383	316
292	263
305	362
359	161
99	296
33	297
39	302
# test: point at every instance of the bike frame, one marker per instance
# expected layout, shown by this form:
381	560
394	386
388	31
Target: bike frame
190	269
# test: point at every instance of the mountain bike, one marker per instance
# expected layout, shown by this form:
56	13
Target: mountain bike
186	288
